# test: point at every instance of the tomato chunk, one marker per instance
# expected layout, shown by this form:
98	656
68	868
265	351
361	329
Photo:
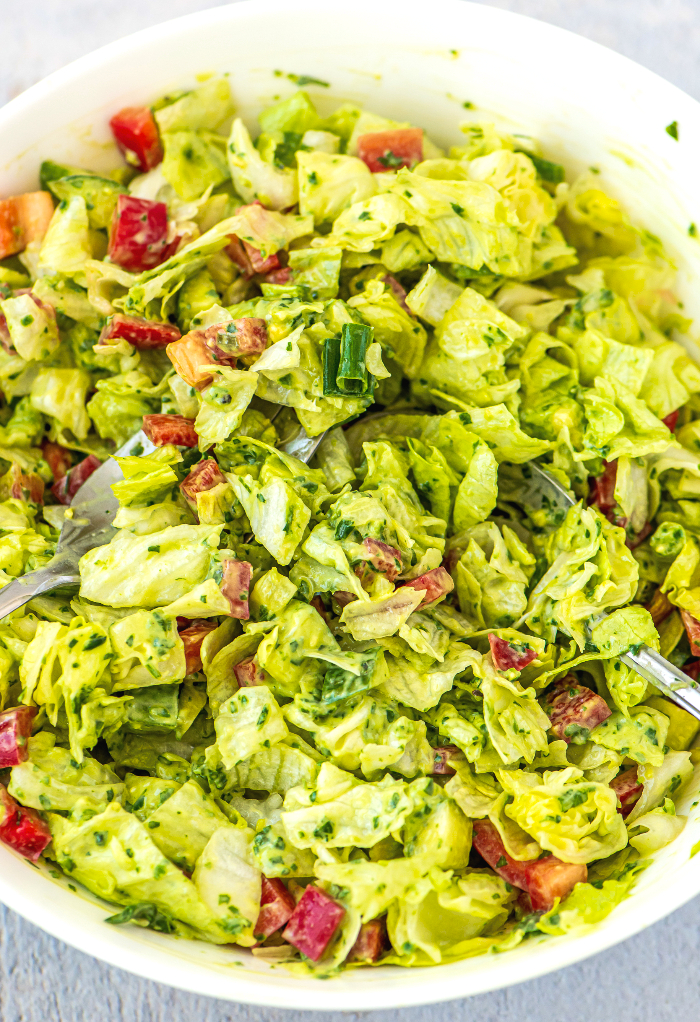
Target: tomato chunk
671	420
574	710
205	475
319	606
189	355
136	133
139	233
628	789
170	429
65	489
143	334
15	729
659	607
237	339
23	218
436	583
443	755
383	558
277	907
371	942
398	292
235	586
24	486
21	828
389	150
249	672
57	458
508	655
193	636
314	922
238	255
342	597
281	276
602	488
544	879
692	628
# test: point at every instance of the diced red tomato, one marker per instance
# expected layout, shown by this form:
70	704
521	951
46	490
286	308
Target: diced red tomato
544	879
659	607
436	583
398	292
574	710
249	672
237	339
508	655
314	922
142	333
602	488
22	829
170	429
65	489
318	605
371	942
24	486
235	586
193	636
189	355
136	133
23	218
15	729
277	907
281	276
443	755
258	262
692	669
139	233
238	255
383	558
389	150
57	458
692	628
628	789
671	420
205	475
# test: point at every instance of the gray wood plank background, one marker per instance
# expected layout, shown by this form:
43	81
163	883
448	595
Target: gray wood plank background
653	977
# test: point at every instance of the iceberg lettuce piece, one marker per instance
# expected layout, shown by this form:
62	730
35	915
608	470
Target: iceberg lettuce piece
423	688
203	108
364	225
50	779
66	246
277	515
401	336
227	879
32	327
329	184
641	734
61	393
253	178
121	401
248	722
147	480
656	828
575	819
223	403
147	651
492	574
277	769
193	163
95	852
500	430
364	815
296	113
182	824
405	251
432	296
661	782
171	562
516	724
316	272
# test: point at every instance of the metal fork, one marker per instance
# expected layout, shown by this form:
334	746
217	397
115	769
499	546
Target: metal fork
92	512
535	489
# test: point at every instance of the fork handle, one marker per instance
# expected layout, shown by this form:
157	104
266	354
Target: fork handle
674	684
23	589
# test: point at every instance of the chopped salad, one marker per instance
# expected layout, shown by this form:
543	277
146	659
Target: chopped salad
369	709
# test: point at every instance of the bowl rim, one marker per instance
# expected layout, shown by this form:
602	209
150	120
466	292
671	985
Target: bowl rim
422	986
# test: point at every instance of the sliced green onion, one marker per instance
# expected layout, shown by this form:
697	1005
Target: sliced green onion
352	372
331	362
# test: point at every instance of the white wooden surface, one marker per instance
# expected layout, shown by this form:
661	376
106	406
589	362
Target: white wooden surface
654	977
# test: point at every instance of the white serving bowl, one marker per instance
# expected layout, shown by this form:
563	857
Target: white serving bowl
417	62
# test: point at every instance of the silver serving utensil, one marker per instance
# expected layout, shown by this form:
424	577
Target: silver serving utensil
90	524
536	489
